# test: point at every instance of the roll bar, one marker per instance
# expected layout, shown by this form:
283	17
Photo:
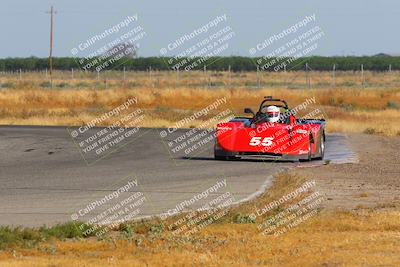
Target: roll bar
270	99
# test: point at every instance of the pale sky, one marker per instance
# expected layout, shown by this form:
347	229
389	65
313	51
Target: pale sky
351	27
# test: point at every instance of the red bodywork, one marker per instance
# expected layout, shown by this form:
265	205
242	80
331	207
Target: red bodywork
294	138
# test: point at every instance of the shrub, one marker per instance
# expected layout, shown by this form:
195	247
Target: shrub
62	85
82	84
240	218
7	85
45	84
392	105
369	131
157	229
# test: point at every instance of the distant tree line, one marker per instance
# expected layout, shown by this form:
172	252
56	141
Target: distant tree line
234	63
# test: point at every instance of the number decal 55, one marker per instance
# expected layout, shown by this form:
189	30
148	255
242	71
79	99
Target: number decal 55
256	140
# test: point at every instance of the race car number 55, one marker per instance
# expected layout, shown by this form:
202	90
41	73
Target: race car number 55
256	140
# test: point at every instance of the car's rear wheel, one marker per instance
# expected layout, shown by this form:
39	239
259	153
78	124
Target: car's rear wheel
321	147
309	151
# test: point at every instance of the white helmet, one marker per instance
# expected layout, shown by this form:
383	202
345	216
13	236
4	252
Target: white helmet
273	113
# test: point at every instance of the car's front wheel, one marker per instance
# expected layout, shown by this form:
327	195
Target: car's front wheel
224	157
220	154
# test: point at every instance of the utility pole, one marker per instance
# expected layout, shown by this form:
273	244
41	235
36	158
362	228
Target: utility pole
177	77
51	12
229	75
307	76
333	75
205	74
362	75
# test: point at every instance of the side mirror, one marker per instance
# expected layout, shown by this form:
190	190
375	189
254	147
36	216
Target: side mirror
249	111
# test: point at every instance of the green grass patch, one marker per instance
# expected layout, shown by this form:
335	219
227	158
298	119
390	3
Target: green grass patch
29	237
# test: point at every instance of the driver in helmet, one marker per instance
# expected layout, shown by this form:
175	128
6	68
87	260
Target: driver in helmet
273	113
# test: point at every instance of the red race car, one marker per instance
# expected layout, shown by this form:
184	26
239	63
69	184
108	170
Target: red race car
272	132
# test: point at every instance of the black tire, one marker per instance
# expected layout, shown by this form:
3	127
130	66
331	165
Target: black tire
218	157
321	147
220	154
309	151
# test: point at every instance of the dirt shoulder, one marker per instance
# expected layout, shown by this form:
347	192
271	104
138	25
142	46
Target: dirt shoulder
372	183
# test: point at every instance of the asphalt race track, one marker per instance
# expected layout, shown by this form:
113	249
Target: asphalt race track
45	178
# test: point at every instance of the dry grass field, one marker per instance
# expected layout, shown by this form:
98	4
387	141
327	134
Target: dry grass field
363	240
330	238
370	105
